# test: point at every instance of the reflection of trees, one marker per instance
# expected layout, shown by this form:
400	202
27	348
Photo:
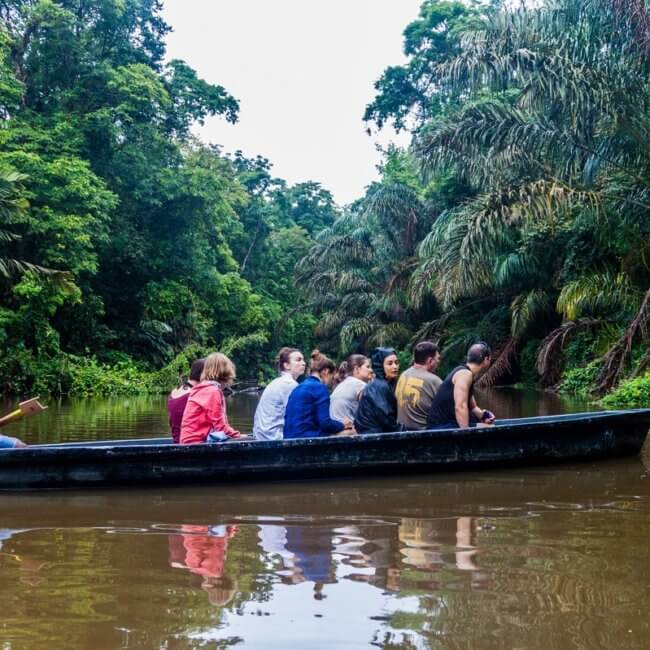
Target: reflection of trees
118	588
538	582
529	581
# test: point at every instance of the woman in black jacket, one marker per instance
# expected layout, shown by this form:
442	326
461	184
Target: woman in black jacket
377	412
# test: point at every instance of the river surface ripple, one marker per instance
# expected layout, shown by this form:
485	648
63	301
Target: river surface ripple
539	558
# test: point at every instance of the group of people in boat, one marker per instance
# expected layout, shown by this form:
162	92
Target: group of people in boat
363	395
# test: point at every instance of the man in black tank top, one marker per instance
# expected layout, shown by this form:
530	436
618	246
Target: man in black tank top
454	405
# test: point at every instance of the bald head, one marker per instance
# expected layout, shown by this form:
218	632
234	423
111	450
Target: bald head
478	353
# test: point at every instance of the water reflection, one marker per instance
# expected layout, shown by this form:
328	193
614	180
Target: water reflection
29	567
551	557
427	543
202	551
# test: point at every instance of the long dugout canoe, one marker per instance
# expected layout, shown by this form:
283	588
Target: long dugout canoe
156	461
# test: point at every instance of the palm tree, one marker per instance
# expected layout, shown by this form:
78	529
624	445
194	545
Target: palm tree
553	136
12	205
356	275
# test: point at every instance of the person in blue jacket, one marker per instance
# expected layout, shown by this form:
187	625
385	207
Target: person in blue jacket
308	407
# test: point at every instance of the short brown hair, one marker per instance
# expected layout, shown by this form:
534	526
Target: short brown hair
423	350
218	367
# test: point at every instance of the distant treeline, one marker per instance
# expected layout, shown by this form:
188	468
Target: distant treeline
519	215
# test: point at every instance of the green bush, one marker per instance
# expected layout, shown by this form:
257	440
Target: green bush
90	377
580	381
634	393
163	380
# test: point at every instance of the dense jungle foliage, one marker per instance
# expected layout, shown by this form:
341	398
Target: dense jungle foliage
123	240
518	215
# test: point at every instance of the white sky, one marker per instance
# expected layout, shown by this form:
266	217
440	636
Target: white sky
303	72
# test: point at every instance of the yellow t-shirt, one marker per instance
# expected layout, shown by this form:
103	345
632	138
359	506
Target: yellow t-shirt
415	391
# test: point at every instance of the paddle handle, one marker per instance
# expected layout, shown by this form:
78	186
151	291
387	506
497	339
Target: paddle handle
11	417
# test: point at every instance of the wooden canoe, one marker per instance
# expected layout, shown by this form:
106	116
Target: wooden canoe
156	461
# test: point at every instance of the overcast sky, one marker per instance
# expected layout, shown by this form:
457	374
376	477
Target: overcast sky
303	71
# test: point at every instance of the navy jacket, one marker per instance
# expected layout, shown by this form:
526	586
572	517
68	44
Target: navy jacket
377	412
308	411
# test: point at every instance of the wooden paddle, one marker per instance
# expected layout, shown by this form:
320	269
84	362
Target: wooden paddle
28	407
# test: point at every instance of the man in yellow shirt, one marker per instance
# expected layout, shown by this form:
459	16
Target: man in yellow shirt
417	387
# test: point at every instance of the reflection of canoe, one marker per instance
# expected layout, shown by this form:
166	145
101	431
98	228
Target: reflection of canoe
583	436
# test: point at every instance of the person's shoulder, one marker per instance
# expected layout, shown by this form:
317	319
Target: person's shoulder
179	392
356	383
431	378
463	375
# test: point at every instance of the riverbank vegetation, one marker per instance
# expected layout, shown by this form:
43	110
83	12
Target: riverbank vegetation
518	215
123	239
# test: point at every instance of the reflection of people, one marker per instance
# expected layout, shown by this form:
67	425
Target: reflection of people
426	543
372	552
454	404
417	387
312	548
202	550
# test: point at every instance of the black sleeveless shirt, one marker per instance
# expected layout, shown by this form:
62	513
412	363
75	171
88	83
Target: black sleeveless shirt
443	407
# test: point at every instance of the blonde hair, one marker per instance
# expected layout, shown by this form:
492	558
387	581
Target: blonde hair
218	367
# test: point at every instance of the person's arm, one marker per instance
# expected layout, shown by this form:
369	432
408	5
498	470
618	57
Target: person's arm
325	423
481	415
462	381
216	412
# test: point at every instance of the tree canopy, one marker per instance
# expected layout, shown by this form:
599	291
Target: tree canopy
520	212
123	238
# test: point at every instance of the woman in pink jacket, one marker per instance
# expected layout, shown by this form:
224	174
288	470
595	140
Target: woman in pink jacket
205	419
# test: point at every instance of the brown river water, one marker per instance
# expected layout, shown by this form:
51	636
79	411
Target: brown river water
553	557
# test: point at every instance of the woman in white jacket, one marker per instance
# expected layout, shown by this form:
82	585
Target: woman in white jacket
268	423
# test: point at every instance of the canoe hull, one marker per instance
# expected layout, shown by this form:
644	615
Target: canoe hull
554	439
